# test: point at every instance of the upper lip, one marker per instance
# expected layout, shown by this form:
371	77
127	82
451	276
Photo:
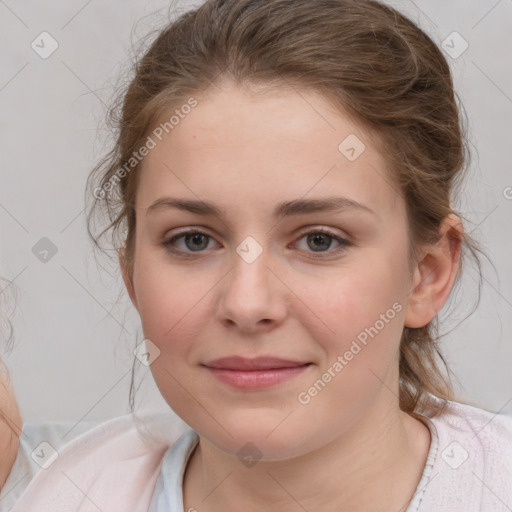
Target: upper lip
258	363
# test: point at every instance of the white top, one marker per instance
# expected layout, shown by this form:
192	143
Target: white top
119	467
26	466
468	468
111	468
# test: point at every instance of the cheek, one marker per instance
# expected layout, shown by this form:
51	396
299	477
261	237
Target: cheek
171	302
364	314
175	305
364	311
172	311
358	299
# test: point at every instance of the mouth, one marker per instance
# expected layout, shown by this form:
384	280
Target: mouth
259	363
257	373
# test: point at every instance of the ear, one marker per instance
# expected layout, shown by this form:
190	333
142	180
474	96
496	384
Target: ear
127	276
435	274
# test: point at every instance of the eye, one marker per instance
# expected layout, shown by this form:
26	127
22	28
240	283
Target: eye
320	240
195	241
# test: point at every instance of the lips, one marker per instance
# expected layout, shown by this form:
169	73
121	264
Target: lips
255	374
259	363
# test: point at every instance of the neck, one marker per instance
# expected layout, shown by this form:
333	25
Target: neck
376	465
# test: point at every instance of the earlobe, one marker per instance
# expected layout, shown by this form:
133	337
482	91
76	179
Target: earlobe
127	276
435	274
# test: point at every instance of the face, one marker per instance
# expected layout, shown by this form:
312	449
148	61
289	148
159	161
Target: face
307	305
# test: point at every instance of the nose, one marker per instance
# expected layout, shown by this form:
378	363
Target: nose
252	296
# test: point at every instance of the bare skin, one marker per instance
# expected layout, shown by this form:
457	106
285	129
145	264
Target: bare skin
348	446
10	426
359	487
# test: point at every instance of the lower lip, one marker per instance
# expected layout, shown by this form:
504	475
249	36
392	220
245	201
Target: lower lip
257	379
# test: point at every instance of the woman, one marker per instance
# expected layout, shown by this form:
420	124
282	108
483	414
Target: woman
282	183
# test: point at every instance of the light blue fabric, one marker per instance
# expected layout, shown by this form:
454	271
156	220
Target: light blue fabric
168	494
468	466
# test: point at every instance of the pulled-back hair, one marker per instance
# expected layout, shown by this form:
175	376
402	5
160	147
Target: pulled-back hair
365	57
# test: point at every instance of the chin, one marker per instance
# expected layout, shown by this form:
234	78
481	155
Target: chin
259	435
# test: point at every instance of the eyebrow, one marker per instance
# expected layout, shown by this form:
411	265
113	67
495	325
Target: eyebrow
284	209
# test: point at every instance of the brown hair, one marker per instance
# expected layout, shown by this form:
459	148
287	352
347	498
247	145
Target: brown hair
368	59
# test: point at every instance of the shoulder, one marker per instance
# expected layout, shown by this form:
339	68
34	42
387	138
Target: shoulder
487	435
113	465
471	460
491	427
36	441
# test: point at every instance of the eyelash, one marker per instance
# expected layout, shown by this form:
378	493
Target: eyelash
344	243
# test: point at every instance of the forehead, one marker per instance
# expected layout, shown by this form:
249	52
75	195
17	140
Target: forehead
237	143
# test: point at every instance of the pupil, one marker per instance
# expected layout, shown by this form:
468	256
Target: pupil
319	237
196	238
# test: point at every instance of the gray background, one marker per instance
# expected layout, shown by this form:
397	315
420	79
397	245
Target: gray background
74	326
